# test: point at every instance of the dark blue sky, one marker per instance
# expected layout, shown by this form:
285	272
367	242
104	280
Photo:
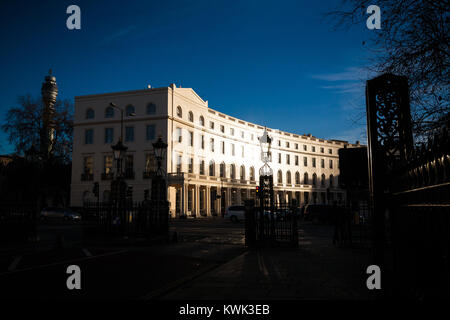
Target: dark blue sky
276	63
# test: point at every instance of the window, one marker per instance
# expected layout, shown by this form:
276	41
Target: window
151	109
129	165
107	164
191	165
314	179
179	164
191	116
314	162
212	169
288	177
222	170
296	146
331	181
313	149
233	171
202	167
232	131
330	151
322	180
223	147
150	162
129	134
242	134
109	135
280	176
191	139
279	158
130	111
150	132
211	143
232	149
297	178
305	178
179	112
179	135
201	120
296	160
90	114
305	147
109	112
288	159
331	164
242	152
279	143
211	125
222	129
89	136
305	161
88	165
322	150
203	141
287	144
322	163
252	174
242	173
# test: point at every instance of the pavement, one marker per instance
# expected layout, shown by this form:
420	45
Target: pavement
209	262
316	270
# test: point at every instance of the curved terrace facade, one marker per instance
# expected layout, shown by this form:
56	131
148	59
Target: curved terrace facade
209	153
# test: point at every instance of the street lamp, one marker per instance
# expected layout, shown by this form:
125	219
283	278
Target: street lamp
265	142
119	150
132	114
160	148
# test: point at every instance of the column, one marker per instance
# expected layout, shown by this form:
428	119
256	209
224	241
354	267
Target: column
239	200
197	200
208	201
192	200
182	198
219	203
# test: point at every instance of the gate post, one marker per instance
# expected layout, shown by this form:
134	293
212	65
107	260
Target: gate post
250	227
389	143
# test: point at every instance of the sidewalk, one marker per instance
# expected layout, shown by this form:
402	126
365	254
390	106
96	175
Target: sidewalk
316	270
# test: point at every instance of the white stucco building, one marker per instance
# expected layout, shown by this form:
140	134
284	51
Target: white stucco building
208	152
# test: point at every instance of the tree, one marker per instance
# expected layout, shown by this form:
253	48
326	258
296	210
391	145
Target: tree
413	41
23	126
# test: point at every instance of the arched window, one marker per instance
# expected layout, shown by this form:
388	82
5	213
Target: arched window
280	176
242	172
212	169
151	108
314	179
331	181
90	114
252	174
109	112
130	111
233	171
288	177
305	178
222	170
322	182
297	178
202	121
191	116
179	112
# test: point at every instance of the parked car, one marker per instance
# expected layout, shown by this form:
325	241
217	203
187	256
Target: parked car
59	213
319	213
235	213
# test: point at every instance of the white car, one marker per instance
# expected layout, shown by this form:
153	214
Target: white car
235	213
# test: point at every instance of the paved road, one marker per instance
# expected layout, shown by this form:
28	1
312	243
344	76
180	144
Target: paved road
117	271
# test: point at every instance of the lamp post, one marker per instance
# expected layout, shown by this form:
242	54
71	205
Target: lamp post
119	150
121	117
266	184
118	184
